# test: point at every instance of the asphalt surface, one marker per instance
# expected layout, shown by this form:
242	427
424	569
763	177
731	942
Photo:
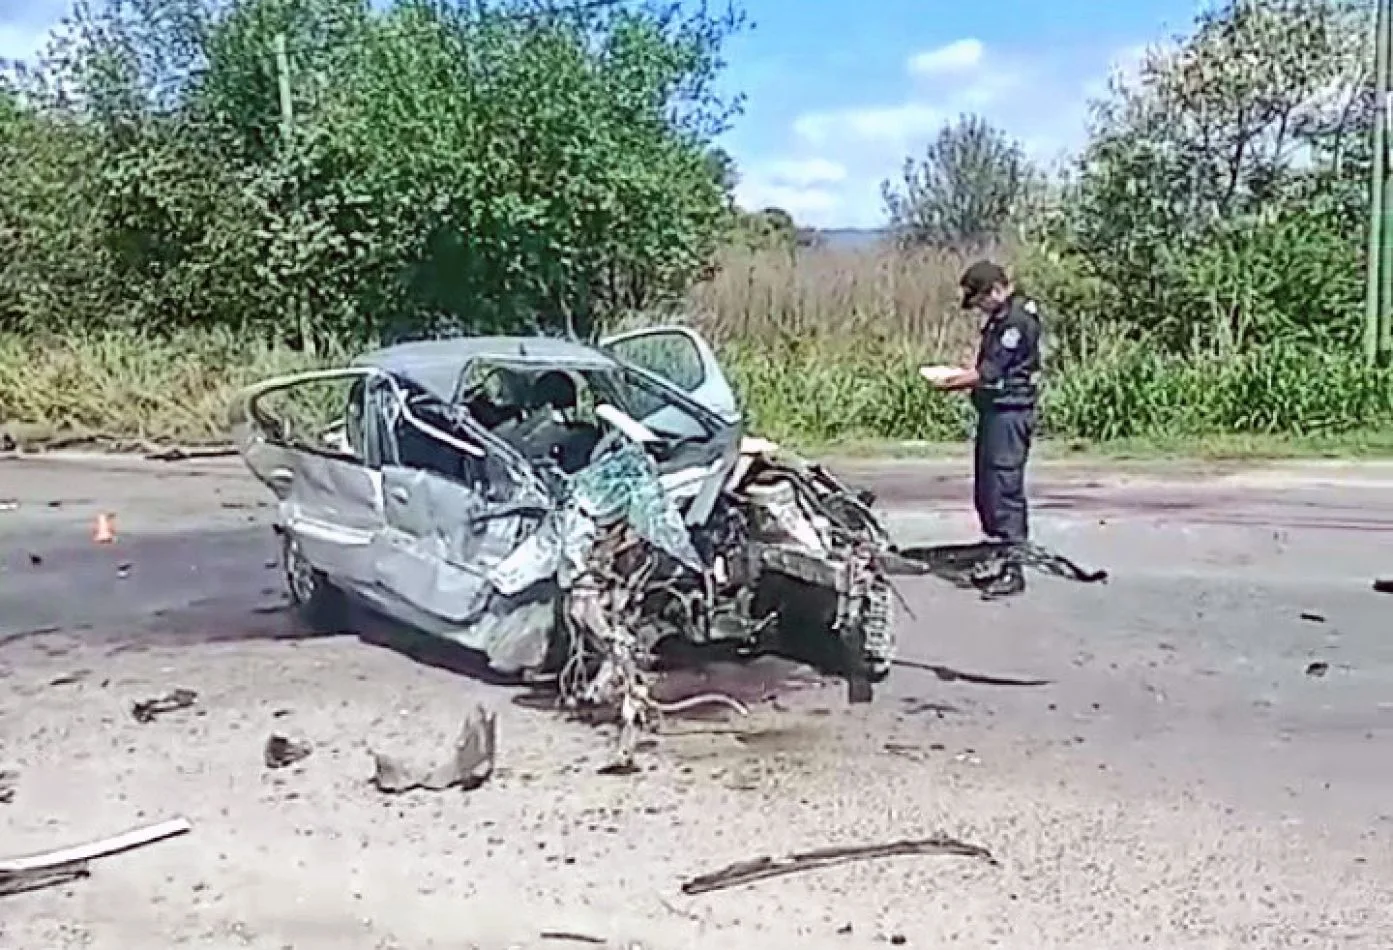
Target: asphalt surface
1237	651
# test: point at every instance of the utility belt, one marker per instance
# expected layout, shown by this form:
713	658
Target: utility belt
1013	393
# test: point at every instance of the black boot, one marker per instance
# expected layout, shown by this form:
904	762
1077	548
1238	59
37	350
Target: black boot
1008	583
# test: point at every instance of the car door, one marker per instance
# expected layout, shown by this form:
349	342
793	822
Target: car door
330	497
682	357
452	511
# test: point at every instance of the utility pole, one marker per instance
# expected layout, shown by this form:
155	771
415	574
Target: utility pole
288	107
1385	121
1374	303
300	302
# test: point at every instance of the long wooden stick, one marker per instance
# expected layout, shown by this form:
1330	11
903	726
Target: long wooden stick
746	872
77	854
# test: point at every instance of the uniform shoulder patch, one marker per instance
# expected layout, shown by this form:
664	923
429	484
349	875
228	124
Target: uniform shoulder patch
1010	338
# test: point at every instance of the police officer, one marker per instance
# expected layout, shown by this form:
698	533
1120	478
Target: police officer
1005	387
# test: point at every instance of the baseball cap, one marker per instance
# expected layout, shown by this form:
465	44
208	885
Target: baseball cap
978	279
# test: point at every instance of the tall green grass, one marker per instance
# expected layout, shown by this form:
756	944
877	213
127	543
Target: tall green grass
805	392
823	348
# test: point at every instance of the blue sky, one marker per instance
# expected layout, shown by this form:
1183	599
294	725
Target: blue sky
838	92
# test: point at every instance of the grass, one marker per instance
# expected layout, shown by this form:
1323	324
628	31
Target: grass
824	350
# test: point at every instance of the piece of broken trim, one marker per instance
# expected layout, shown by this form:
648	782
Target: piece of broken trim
49	868
147	710
746	872
949	675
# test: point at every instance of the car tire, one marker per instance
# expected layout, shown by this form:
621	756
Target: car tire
319	605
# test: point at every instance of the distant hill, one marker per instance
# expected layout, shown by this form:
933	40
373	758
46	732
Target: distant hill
851	238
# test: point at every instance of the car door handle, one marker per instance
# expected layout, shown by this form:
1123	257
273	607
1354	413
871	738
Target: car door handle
281	475
400	494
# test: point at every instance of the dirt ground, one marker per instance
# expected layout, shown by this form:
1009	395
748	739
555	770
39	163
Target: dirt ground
1188	779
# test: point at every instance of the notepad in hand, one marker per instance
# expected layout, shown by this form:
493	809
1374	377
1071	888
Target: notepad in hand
939	374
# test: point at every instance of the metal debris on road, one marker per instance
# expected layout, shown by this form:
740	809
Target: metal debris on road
282	751
968	565
1384	585
1318	668
70	679
746	872
51	868
470	764
146	710
949	675
1312	616
572	937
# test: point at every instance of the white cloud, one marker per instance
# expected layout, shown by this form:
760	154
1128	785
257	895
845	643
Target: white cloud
804	187
888	124
956	57
1038	98
18	43
25	28
804	173
808	205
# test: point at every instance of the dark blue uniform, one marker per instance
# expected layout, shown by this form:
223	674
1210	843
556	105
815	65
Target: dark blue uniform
1008	363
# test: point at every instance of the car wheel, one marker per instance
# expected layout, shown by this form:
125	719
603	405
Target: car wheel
319	604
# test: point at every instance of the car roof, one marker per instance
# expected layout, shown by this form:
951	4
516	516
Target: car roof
435	365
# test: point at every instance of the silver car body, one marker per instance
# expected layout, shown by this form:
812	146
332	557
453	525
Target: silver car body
480	559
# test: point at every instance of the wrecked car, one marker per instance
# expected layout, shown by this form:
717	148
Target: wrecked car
569	511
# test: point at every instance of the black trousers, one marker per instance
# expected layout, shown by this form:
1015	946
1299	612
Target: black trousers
998	472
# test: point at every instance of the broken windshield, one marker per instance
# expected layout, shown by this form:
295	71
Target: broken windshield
501	396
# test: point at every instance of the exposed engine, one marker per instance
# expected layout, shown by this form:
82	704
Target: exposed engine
788	561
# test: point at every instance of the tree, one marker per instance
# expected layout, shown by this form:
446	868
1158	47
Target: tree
449	166
965	190
1241	141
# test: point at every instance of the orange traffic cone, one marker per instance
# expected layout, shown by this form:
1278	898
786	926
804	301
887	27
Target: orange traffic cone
104	532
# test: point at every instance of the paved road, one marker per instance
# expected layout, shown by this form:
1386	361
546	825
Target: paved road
1225	588
1237	651
1211	578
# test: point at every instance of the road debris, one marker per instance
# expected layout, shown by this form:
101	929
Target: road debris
572	937
146	710
1384	585
1317	668
51	868
282	751
1312	616
9	505
746	872
70	679
35	560
970	565
9	779
470	764
949	675
181	453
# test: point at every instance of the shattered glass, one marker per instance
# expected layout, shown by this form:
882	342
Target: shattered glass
624	485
